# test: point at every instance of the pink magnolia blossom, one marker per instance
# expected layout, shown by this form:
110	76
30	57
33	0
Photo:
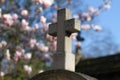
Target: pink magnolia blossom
5	16
8	19
18	54
32	43
45	49
25	25
9	22
92	10
15	16
73	36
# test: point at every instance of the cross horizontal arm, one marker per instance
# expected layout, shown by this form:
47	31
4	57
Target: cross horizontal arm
72	25
53	29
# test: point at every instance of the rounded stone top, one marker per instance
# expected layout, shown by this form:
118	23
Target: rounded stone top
60	75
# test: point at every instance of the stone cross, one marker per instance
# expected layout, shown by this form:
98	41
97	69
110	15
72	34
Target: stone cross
64	59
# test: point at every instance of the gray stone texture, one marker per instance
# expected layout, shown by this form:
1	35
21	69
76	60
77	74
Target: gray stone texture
64	58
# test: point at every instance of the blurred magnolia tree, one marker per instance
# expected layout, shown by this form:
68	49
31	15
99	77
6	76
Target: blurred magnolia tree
25	46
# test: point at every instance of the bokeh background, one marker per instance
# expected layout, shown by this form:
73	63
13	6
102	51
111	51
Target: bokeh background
26	48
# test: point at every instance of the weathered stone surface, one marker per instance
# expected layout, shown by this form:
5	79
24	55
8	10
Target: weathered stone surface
61	75
64	59
71	26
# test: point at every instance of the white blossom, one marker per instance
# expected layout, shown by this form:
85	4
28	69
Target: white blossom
40	71
0	12
97	28
43	19
7	54
47	3
27	56
2	74
4	43
107	7
24	13
1	46
24	22
27	69
85	27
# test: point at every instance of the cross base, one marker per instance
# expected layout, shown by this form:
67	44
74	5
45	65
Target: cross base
64	61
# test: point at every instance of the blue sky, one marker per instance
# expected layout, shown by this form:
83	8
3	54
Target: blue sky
110	19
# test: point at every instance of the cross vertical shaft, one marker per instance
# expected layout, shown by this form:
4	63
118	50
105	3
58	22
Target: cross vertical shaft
62	16
64	59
